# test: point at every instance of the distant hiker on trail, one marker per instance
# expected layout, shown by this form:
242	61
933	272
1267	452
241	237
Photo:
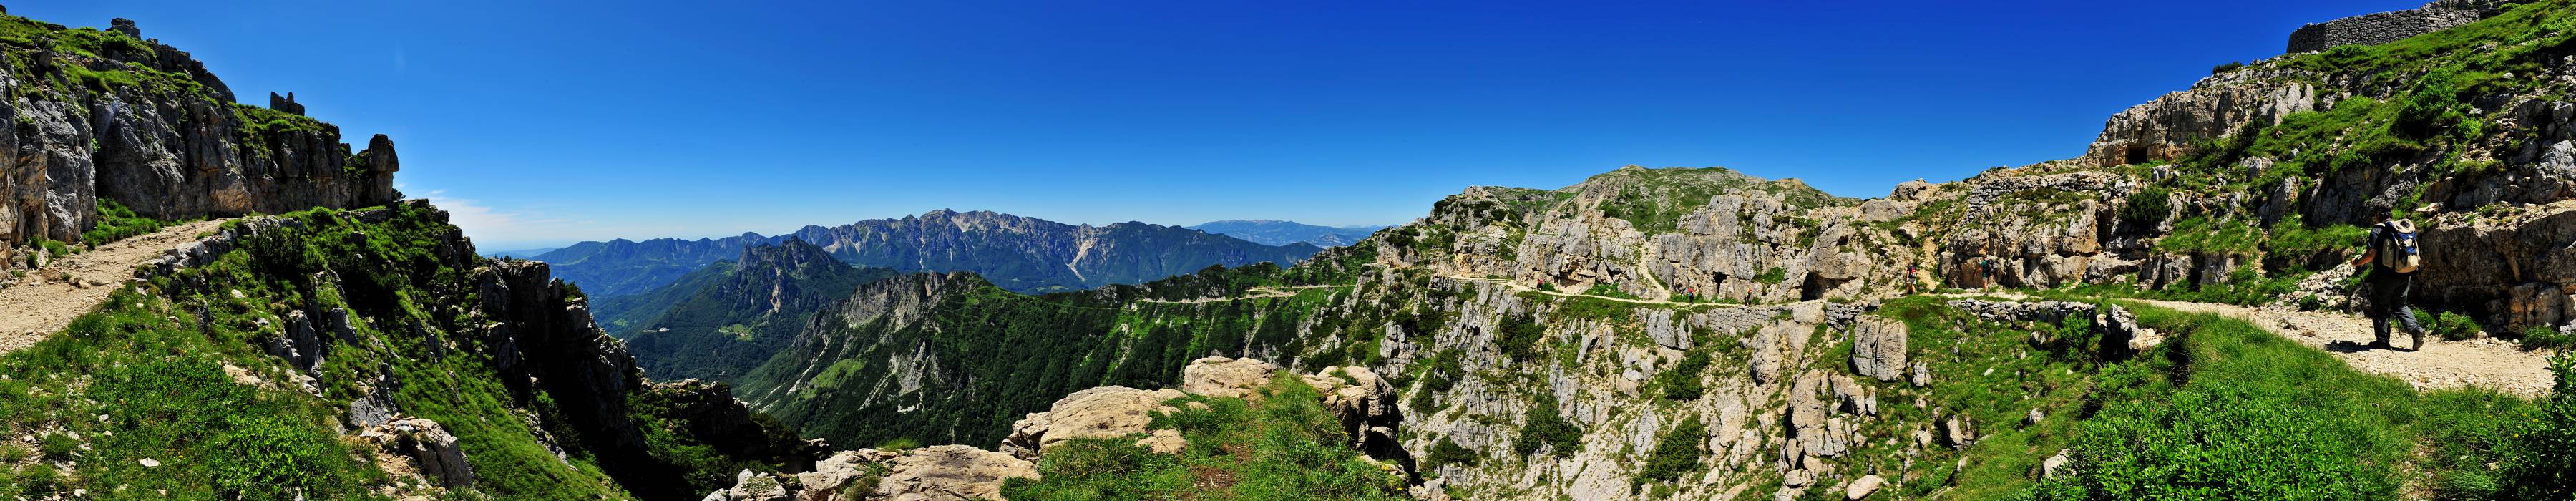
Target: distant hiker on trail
1912	275
2392	253
1986	267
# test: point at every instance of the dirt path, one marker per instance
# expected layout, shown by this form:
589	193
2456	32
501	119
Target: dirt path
1255	293
2485	362
40	304
1517	288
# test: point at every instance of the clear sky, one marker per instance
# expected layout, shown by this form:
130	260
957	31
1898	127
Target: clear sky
546	122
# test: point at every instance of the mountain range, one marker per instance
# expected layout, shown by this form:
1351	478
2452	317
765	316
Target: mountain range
1020	254
1270	232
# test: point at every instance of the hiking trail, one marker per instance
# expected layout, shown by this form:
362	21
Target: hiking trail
2485	361
47	299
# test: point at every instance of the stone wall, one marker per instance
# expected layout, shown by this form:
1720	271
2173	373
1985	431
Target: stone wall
2378	28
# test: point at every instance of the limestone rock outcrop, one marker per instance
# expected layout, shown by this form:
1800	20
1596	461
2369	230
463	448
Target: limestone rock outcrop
432	451
1878	348
176	148
1104	412
935	473
1227	377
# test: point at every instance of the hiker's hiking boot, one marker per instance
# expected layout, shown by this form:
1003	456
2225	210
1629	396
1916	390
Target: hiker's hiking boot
2419	340
2381	344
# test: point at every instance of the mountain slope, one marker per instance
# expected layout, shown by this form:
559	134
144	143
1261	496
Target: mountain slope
722	320
337	354
1268	232
622	267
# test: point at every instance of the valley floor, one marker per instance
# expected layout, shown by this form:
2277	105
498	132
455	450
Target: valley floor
45	300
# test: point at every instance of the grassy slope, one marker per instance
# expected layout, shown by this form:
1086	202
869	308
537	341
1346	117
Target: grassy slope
1281	446
151	361
2223	409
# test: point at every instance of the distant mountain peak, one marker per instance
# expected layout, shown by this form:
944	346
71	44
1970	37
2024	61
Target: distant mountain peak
1278	232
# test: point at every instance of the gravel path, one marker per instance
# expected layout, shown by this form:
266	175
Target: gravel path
2485	362
37	306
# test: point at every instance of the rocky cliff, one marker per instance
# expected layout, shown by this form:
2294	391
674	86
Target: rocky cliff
112	116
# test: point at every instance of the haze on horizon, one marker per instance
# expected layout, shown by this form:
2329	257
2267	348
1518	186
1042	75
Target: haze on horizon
671	119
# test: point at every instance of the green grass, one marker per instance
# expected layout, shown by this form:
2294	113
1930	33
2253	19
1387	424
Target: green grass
158	380
155	366
115	222
2226	409
1281	446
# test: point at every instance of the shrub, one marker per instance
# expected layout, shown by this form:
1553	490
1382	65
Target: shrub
1541	426
1682	381
1448	452
2230	66
1520	338
1677	452
2537	338
2543	464
2454	326
2147	208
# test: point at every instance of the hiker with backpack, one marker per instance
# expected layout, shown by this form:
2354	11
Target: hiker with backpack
2393	259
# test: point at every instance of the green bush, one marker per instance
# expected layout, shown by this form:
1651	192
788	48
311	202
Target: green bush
1447	452
2223	68
1542	427
2543	456
1678	452
2454	326
1682	381
2147	208
2544	338
1520	338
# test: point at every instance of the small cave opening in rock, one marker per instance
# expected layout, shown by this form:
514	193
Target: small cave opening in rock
1815	287
2134	155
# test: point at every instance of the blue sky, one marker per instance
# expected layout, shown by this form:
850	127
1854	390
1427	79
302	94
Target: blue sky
543	122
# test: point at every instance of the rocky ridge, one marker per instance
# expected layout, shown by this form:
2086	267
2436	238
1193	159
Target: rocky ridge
172	146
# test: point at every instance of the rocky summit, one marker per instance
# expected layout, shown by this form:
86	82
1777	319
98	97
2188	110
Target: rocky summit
2178	313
